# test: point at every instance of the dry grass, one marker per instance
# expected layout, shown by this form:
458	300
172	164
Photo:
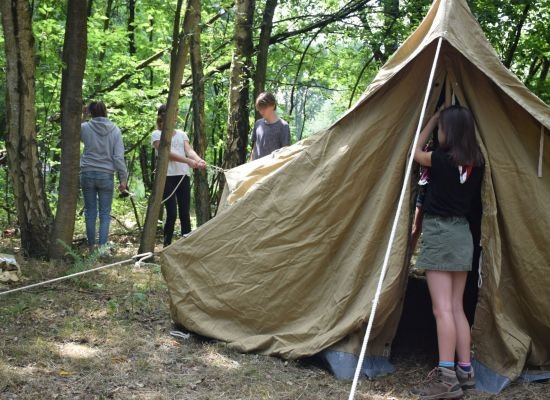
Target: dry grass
107	337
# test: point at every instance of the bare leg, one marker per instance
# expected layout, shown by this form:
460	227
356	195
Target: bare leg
440	284
461	322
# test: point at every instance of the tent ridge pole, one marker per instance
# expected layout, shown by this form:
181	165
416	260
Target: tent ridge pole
394	226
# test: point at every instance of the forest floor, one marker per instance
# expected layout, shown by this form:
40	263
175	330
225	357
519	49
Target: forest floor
106	336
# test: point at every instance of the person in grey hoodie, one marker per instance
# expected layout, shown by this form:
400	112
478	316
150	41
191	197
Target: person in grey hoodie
103	155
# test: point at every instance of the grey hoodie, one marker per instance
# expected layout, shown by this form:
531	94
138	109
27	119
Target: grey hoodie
103	148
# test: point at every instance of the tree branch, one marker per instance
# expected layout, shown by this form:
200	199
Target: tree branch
300	67
128	75
346	11
374	53
305	85
147	62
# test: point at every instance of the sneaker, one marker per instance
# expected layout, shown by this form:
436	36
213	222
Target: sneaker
442	383
467	379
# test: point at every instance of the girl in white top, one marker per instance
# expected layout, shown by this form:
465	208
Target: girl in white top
177	188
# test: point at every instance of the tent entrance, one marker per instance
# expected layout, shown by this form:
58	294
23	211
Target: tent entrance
416	333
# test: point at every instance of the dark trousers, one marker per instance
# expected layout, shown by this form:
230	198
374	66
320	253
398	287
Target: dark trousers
181	200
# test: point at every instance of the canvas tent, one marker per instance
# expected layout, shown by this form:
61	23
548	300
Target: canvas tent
290	265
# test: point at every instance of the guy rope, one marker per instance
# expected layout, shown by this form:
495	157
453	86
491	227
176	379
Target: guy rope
137	259
394	229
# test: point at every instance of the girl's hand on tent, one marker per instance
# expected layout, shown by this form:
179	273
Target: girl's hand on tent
436	115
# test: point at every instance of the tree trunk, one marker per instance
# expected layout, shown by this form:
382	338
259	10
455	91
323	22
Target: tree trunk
391	13
238	124
543	73
106	24
299	68
107	21
90	7
151	70
200	140
177	65
536	63
176	35
517	35
74	60
263	49
145	171
32	206
131	27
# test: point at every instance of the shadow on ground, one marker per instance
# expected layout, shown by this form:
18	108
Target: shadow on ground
106	336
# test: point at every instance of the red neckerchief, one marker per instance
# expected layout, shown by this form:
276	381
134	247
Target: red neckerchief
465	172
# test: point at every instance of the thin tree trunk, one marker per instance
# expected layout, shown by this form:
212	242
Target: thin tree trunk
177	66
299	68
200	140
74	60
517	35
106	24
304	117
176	36
151	70
107	21
238	124
391	13
145	171
131	27
7	197
32	206
543	73
376	53
90	8
263	49
536	63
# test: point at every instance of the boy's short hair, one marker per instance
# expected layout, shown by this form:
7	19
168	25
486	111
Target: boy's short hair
266	99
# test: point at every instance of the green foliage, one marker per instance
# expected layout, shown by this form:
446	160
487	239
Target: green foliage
500	20
313	87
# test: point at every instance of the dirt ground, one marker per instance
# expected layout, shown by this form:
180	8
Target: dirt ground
106	336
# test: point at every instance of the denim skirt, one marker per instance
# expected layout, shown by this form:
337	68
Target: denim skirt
447	244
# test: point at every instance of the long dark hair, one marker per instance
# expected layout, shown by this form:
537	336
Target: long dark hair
460	143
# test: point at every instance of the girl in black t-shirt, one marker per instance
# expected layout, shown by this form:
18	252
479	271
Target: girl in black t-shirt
456	171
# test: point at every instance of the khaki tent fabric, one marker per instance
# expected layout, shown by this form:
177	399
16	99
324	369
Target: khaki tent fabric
290	265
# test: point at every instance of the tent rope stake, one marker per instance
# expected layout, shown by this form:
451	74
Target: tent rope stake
394	227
